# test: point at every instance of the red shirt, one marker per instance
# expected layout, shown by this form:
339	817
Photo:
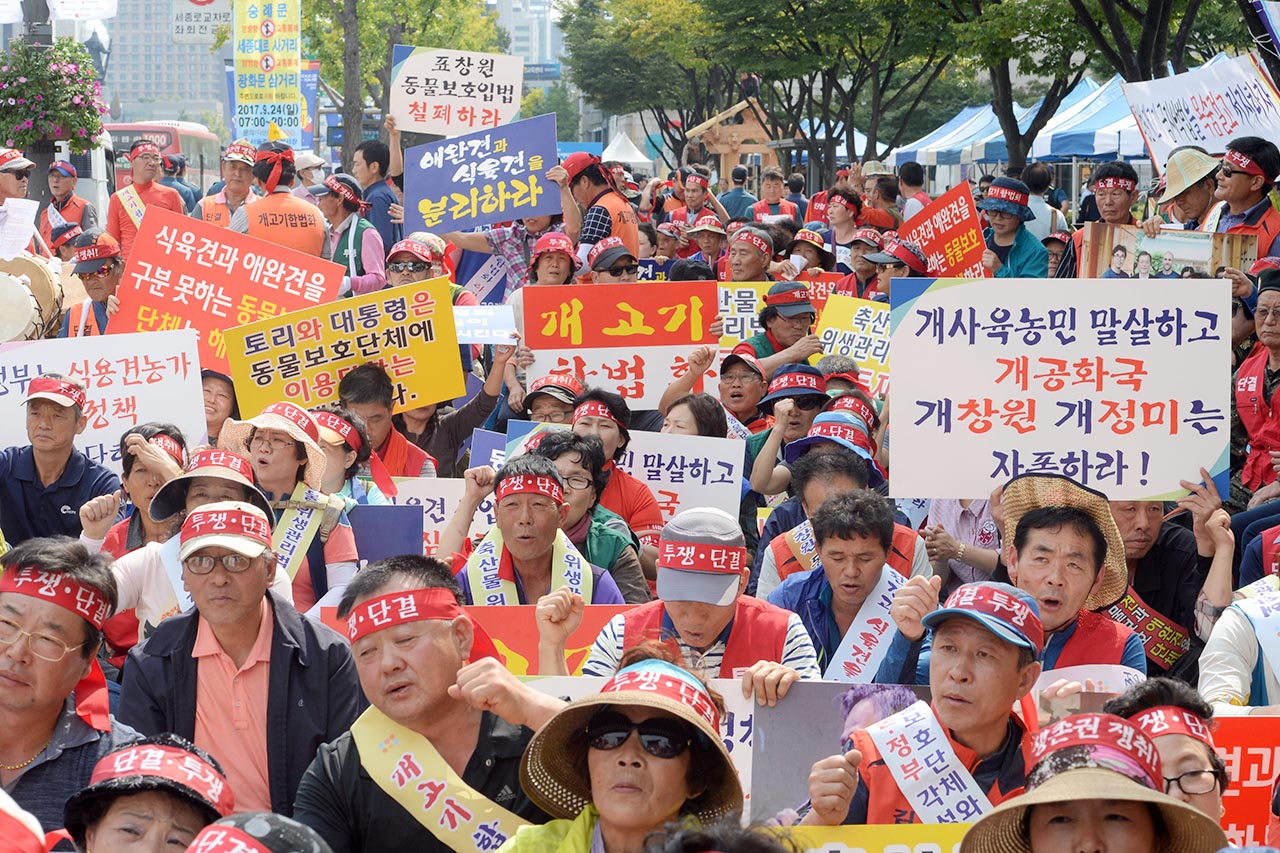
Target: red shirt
634	501
120	226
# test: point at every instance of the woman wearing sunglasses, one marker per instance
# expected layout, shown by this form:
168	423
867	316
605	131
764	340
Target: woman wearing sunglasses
643	753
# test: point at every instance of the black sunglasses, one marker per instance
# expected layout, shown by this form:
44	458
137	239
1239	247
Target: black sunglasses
628	269
661	737
809	402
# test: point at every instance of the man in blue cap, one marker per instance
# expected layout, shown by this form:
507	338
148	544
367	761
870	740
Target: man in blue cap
65	207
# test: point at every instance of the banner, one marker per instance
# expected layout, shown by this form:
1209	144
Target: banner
185	273
129	380
453	91
1249	747
514	629
631	340
1119	388
878	838
82	10
685	471
481	178
950	234
859	329
485	324
301	356
197	21
1208	106
1126	251
740	305
267	40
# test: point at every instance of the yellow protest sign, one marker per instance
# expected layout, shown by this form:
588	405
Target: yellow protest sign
859	329
301	356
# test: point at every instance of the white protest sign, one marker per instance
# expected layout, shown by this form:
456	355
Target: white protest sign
453	91
129	380
685	471
1117	385
198	21
865	644
485	324
1096	678
439	498
10	11
17	226
1208	106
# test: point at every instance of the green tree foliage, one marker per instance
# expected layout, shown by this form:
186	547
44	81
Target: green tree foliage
556	100
1141	40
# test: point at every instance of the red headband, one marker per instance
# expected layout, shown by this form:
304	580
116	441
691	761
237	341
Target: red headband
344	428
224	459
1243	163
850	403
1007	194
345	193
142	148
790	297
840	201
1112	184
798	379
1171	720
811	237
61	387
897	250
593	409
246	525
216	838
167	762
845	432
415	605
69	235
277	159
97	251
169	445
697	180
65	591
297	415
1104	730
1000	606
529	484
659	678
742	235
603	246
556	380
701	557
868	235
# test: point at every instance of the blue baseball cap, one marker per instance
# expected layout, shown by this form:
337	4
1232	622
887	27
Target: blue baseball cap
1006	611
839	428
795	380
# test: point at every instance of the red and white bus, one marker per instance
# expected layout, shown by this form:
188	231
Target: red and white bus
201	147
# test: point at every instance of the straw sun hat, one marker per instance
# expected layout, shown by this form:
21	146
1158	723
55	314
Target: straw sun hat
286	418
548	770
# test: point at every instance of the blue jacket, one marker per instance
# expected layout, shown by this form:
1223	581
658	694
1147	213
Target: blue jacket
1028	258
785	516
28	509
808	595
381	197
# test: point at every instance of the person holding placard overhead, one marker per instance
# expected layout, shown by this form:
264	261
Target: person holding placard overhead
127	204
988	639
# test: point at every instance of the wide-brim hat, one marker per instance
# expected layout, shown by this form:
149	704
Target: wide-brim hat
171	498
268	831
234	436
1009	195
1030	491
1003	829
826	259
1185	169
875	168
547	769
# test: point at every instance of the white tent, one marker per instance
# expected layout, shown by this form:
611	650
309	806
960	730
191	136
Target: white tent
622	149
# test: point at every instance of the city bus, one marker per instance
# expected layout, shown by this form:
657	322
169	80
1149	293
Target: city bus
201	147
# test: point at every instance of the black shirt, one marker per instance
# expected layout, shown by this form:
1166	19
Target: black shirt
339	799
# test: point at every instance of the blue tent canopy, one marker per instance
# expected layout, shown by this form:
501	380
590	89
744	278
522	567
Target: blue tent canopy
993	148
910	151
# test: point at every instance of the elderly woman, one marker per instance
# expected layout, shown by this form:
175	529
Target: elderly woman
696	414
346	447
642	753
1096	783
283	446
152	795
580	461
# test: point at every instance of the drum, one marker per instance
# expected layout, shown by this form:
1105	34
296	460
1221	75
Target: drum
45	288
19	311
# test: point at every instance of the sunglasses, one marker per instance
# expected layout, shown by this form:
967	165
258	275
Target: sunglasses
24	175
91	276
661	737
625	269
808	402
408	266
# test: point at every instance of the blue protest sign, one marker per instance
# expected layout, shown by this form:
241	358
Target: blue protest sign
386	531
484	177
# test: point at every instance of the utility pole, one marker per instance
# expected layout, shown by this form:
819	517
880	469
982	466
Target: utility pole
39	31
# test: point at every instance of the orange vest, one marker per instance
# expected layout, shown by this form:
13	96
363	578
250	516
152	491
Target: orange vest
75	315
760	210
759	632
624	219
402	457
1098	639
214	210
902	553
286	220
73	213
1261	420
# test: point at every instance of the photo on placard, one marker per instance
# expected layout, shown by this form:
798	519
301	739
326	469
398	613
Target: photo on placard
1126	251
831	713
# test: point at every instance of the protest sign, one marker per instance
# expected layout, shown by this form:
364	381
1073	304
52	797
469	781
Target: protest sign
740	305
438	498
1251	751
129	380
651	270
1208	106
453	91
267	39
488	448
878	838
685	471
484	324
631	340
950	234
1119	388
859	329
198	21
302	355
1125	251
483	177
185	273
385	531
17	226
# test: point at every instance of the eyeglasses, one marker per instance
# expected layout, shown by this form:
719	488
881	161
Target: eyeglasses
661	737
24	175
625	269
272	442
408	266
1262	314
578	482
555	416
737	378
1192	782
202	564
42	646
809	402
93	276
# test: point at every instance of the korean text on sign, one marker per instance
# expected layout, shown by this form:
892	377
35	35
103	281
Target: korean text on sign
300	357
859	329
453	91
128	379
186	273
267	40
1119	388
631	340
949	232
685	471
483	177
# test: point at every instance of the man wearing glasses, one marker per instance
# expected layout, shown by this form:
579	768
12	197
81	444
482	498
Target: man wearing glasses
1248	172
99	267
15	171
612	262
128	204
243	674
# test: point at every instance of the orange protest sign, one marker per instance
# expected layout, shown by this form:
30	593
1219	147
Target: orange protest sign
632	339
1248	746
185	273
950	234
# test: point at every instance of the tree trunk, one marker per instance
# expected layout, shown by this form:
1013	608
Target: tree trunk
352	83
1266	47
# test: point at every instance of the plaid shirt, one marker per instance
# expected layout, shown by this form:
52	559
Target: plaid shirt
514	244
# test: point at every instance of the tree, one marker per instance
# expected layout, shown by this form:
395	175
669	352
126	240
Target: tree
556	100
1140	40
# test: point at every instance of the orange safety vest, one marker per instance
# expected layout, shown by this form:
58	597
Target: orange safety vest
760	210
75	315
902	553
73	213
1261	420
624	219
214	210
1098	639
286	220
759	632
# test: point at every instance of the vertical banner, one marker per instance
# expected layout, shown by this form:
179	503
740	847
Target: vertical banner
858	329
267	40
950	234
449	92
1116	385
310	94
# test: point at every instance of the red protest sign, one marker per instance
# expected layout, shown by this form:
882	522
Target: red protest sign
948	231
1249	748
186	273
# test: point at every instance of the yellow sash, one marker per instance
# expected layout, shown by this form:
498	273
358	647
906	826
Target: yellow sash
133	205
803	545
411	771
298	525
568	568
